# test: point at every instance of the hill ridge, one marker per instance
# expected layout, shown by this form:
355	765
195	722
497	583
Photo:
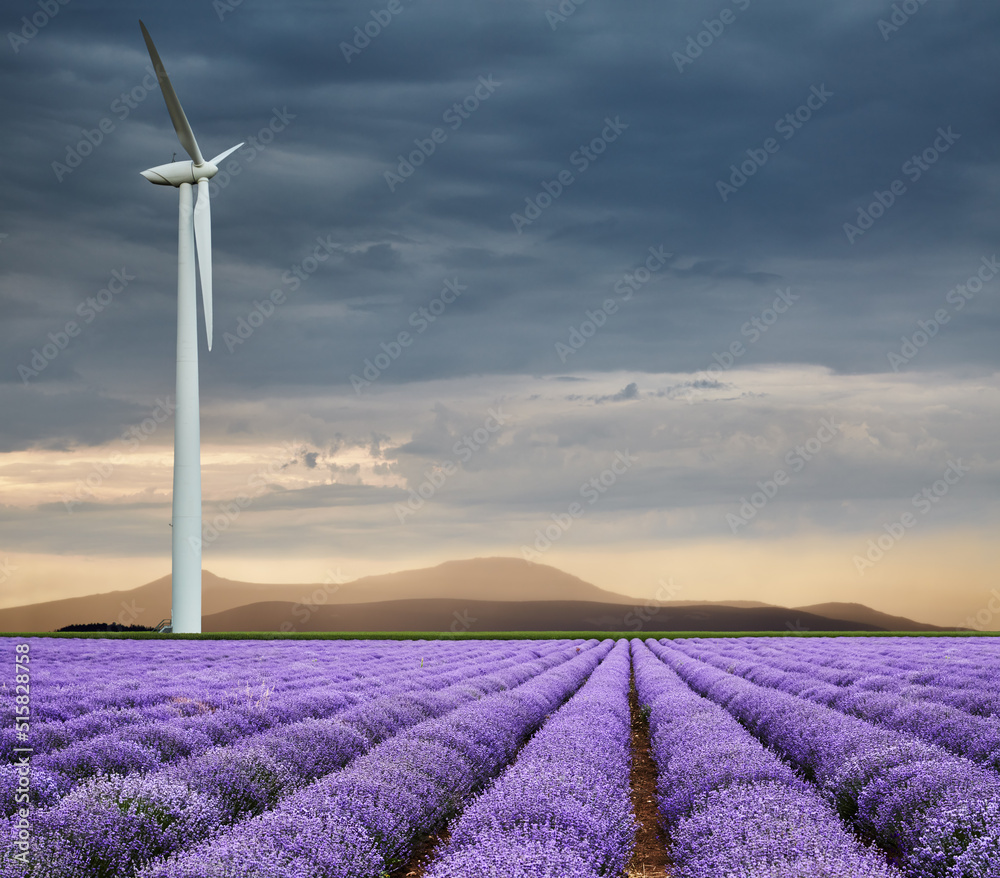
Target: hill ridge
521	585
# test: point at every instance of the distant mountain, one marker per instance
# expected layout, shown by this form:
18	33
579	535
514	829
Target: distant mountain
716	604
146	605
861	613
507	579
498	579
502	594
438	614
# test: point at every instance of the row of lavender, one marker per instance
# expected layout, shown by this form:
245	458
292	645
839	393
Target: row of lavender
362	821
867	691
138	746
109	824
197	682
941	661
563	809
942	672
753	783
733	807
180	692
733	803
965	676
131	750
935	813
127	682
109	669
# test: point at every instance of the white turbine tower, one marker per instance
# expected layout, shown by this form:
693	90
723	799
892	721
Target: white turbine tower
195	225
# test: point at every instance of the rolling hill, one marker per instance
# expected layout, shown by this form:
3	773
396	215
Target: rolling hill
861	613
508	579
430	614
499	594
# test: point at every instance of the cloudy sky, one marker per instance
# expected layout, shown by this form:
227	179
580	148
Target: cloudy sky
699	294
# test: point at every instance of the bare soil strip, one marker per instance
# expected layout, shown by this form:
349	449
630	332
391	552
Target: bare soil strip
650	857
416	866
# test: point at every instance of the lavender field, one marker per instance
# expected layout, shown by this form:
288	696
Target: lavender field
790	757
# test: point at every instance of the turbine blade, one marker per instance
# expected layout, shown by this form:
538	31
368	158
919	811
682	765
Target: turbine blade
226	154
181	125
203	243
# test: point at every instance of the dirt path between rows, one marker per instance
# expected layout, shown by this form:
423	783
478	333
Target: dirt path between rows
418	863
650	857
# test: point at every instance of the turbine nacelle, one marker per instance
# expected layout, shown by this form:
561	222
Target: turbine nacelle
175	173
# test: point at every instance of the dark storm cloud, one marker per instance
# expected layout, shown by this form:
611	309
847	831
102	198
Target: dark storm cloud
325	132
630	391
60	419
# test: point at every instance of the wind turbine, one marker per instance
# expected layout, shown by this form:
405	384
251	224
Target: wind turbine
195	225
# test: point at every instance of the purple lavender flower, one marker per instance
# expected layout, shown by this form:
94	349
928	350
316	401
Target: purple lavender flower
757	829
86	837
892	787
563	807
732	807
42	788
387	798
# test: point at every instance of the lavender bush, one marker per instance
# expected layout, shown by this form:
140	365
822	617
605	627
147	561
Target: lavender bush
887	701
252	774
563	808
891	786
360	821
798	758
732	807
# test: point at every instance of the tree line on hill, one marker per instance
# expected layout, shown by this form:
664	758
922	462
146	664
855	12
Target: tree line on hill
103	626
